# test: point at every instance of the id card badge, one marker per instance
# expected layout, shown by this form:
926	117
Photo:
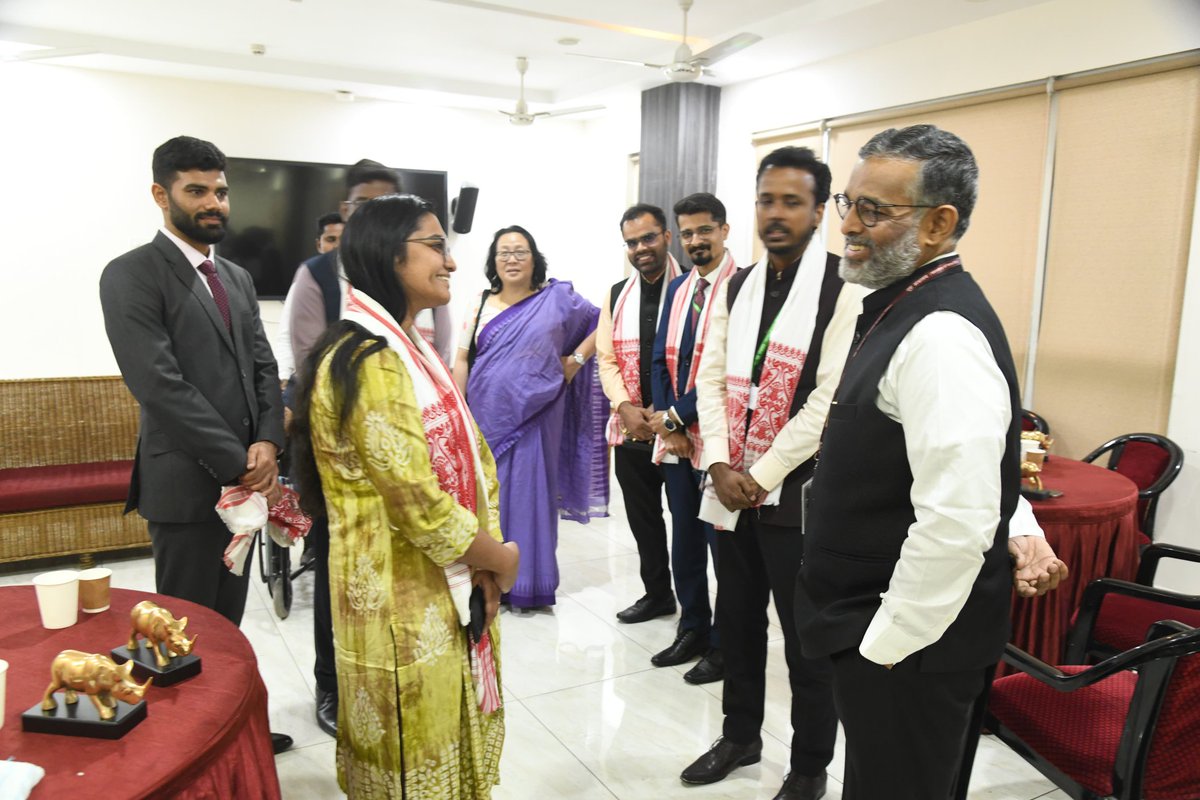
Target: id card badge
753	397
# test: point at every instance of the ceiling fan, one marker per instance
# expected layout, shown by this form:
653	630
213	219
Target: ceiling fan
686	66
521	116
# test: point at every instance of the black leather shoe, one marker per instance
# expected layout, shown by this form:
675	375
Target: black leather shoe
687	645
648	608
710	669
720	760
280	742
327	705
802	787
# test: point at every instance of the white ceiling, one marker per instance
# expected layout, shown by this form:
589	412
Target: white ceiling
457	52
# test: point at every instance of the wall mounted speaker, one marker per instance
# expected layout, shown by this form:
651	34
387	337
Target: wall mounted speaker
462	208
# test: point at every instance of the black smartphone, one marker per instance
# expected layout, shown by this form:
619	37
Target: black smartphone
478	615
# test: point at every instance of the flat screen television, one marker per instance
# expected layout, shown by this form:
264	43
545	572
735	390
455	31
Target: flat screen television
274	207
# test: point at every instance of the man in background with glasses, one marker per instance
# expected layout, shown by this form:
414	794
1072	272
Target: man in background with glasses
624	350
687	309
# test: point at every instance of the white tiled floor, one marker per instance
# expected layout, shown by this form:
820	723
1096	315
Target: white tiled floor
587	715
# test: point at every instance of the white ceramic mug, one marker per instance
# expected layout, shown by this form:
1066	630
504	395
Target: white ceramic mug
58	598
94	588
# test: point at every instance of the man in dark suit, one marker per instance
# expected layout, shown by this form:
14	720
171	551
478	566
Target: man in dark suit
677	350
184	327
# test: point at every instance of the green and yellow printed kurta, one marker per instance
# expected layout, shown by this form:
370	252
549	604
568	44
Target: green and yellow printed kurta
409	725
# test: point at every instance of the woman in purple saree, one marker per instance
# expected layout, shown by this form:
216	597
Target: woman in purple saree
527	369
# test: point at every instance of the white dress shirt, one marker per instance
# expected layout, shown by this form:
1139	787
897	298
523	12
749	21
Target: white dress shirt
193	256
944	387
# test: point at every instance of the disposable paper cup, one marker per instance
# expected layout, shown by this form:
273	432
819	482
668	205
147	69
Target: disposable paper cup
3	677
93	589
58	598
1037	455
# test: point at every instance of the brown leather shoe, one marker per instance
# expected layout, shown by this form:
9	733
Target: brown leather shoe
802	787
720	760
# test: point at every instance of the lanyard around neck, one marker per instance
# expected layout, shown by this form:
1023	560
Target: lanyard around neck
908	290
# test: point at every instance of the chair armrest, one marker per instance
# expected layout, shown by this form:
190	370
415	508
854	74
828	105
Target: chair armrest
1156	552
1184	641
1090	604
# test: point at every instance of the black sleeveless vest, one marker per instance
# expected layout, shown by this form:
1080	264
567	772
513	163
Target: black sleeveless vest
324	270
860	509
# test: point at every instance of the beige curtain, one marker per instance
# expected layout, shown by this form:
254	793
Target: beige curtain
1124	186
1000	249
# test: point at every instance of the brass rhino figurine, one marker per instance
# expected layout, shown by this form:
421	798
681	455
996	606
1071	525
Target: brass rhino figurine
157	625
96	676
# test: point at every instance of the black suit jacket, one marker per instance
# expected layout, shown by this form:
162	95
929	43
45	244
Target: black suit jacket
205	394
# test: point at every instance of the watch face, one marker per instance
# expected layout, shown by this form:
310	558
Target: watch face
670	425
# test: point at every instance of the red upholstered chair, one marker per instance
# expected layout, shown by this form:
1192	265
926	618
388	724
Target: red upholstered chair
1032	422
1149	460
1114	615
1127	728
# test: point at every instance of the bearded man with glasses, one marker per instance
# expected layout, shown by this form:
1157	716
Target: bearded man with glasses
624	348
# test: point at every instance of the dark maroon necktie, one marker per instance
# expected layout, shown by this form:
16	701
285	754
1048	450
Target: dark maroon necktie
218	292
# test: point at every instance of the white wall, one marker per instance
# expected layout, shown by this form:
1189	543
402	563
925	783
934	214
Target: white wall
77	144
1053	38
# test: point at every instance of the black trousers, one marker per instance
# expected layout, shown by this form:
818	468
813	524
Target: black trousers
188	563
758	561
641	483
324	667
690	541
906	730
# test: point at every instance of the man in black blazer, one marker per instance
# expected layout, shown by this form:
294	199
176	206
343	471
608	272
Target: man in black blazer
184	327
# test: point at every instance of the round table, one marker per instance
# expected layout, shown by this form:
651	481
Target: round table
1093	528
206	736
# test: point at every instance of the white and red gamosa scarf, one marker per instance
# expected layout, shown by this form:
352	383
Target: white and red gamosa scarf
627	334
677	321
769	404
454	453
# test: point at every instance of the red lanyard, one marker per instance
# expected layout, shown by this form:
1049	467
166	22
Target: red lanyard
912	287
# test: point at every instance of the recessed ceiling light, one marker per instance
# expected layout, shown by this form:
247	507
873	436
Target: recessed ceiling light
344	95
568	41
258	49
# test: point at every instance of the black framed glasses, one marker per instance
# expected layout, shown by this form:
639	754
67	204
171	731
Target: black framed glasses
648	240
704	231
868	210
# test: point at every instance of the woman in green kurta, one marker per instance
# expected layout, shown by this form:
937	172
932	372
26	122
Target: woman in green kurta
409	487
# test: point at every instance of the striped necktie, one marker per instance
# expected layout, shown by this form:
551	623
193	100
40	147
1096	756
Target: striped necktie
697	304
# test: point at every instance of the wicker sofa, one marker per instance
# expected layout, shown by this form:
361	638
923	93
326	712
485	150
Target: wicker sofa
66	452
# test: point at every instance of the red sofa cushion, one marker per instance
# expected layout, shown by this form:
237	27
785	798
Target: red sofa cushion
38	488
1123	620
1076	731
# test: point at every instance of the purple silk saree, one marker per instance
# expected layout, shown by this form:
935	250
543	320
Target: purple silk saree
547	435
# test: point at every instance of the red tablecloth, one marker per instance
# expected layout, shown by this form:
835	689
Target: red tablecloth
205	737
1093	528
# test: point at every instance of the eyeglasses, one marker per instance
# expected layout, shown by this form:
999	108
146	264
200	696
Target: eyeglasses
648	240
868	210
435	243
512	255
704	231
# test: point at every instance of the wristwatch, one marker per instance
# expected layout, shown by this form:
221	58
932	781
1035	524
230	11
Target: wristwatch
579	359
669	423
